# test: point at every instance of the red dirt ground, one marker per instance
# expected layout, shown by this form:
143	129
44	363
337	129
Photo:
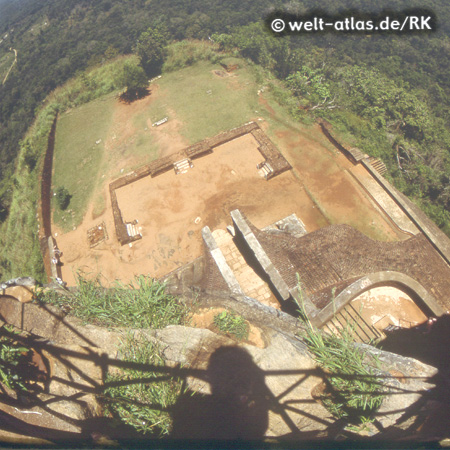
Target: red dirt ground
168	205
387	305
324	174
319	190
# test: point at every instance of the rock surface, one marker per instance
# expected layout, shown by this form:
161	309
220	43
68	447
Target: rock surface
284	373
21	293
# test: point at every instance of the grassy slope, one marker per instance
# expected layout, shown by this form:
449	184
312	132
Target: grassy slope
77	156
231	102
19	245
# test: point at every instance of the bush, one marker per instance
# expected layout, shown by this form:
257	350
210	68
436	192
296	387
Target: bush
232	324
186	53
62	198
11	355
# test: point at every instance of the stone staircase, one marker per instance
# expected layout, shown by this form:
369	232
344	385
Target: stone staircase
265	170
251	284
357	154
349	319
378	165
133	230
182	166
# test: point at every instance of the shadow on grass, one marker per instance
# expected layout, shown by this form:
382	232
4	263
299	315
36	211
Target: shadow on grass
130	96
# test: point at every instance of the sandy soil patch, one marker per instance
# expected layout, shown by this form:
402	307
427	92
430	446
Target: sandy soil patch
324	174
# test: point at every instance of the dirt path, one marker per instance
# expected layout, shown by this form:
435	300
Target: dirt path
12	65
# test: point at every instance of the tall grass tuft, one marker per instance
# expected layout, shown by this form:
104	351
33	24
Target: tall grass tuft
352	388
142	303
137	397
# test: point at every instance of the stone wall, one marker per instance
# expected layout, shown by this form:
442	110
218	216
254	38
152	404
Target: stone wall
44	203
162	165
271	154
435	236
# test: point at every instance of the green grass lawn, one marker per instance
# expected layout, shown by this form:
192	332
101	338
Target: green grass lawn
78	158
205	103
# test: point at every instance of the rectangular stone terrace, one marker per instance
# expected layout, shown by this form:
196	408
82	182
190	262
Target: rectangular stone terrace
272	164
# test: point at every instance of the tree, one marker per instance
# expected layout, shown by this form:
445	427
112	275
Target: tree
151	50
312	85
134	79
63	198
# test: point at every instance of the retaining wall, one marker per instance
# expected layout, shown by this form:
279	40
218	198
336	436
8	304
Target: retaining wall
353	154
162	165
435	236
44	203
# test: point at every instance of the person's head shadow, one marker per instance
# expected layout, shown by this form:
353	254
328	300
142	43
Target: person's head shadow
428	342
237	407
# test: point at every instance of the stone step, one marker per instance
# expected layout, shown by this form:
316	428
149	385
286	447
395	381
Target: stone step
132	230
379	167
350	320
357	154
266	170
252	285
182	166
219	258
241	227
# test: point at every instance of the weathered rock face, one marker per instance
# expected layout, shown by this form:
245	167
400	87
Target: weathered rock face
290	376
406	379
21	293
276	381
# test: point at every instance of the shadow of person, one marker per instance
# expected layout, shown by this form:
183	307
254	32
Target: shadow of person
429	343
237	407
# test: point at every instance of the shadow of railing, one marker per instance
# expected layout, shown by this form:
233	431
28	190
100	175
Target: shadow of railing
229	404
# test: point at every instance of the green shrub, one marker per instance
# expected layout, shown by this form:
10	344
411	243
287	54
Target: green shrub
232	324
11	355
62	198
186	53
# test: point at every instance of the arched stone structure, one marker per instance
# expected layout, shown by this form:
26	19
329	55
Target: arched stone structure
387	278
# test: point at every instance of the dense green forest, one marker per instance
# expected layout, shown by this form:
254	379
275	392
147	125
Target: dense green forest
387	94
